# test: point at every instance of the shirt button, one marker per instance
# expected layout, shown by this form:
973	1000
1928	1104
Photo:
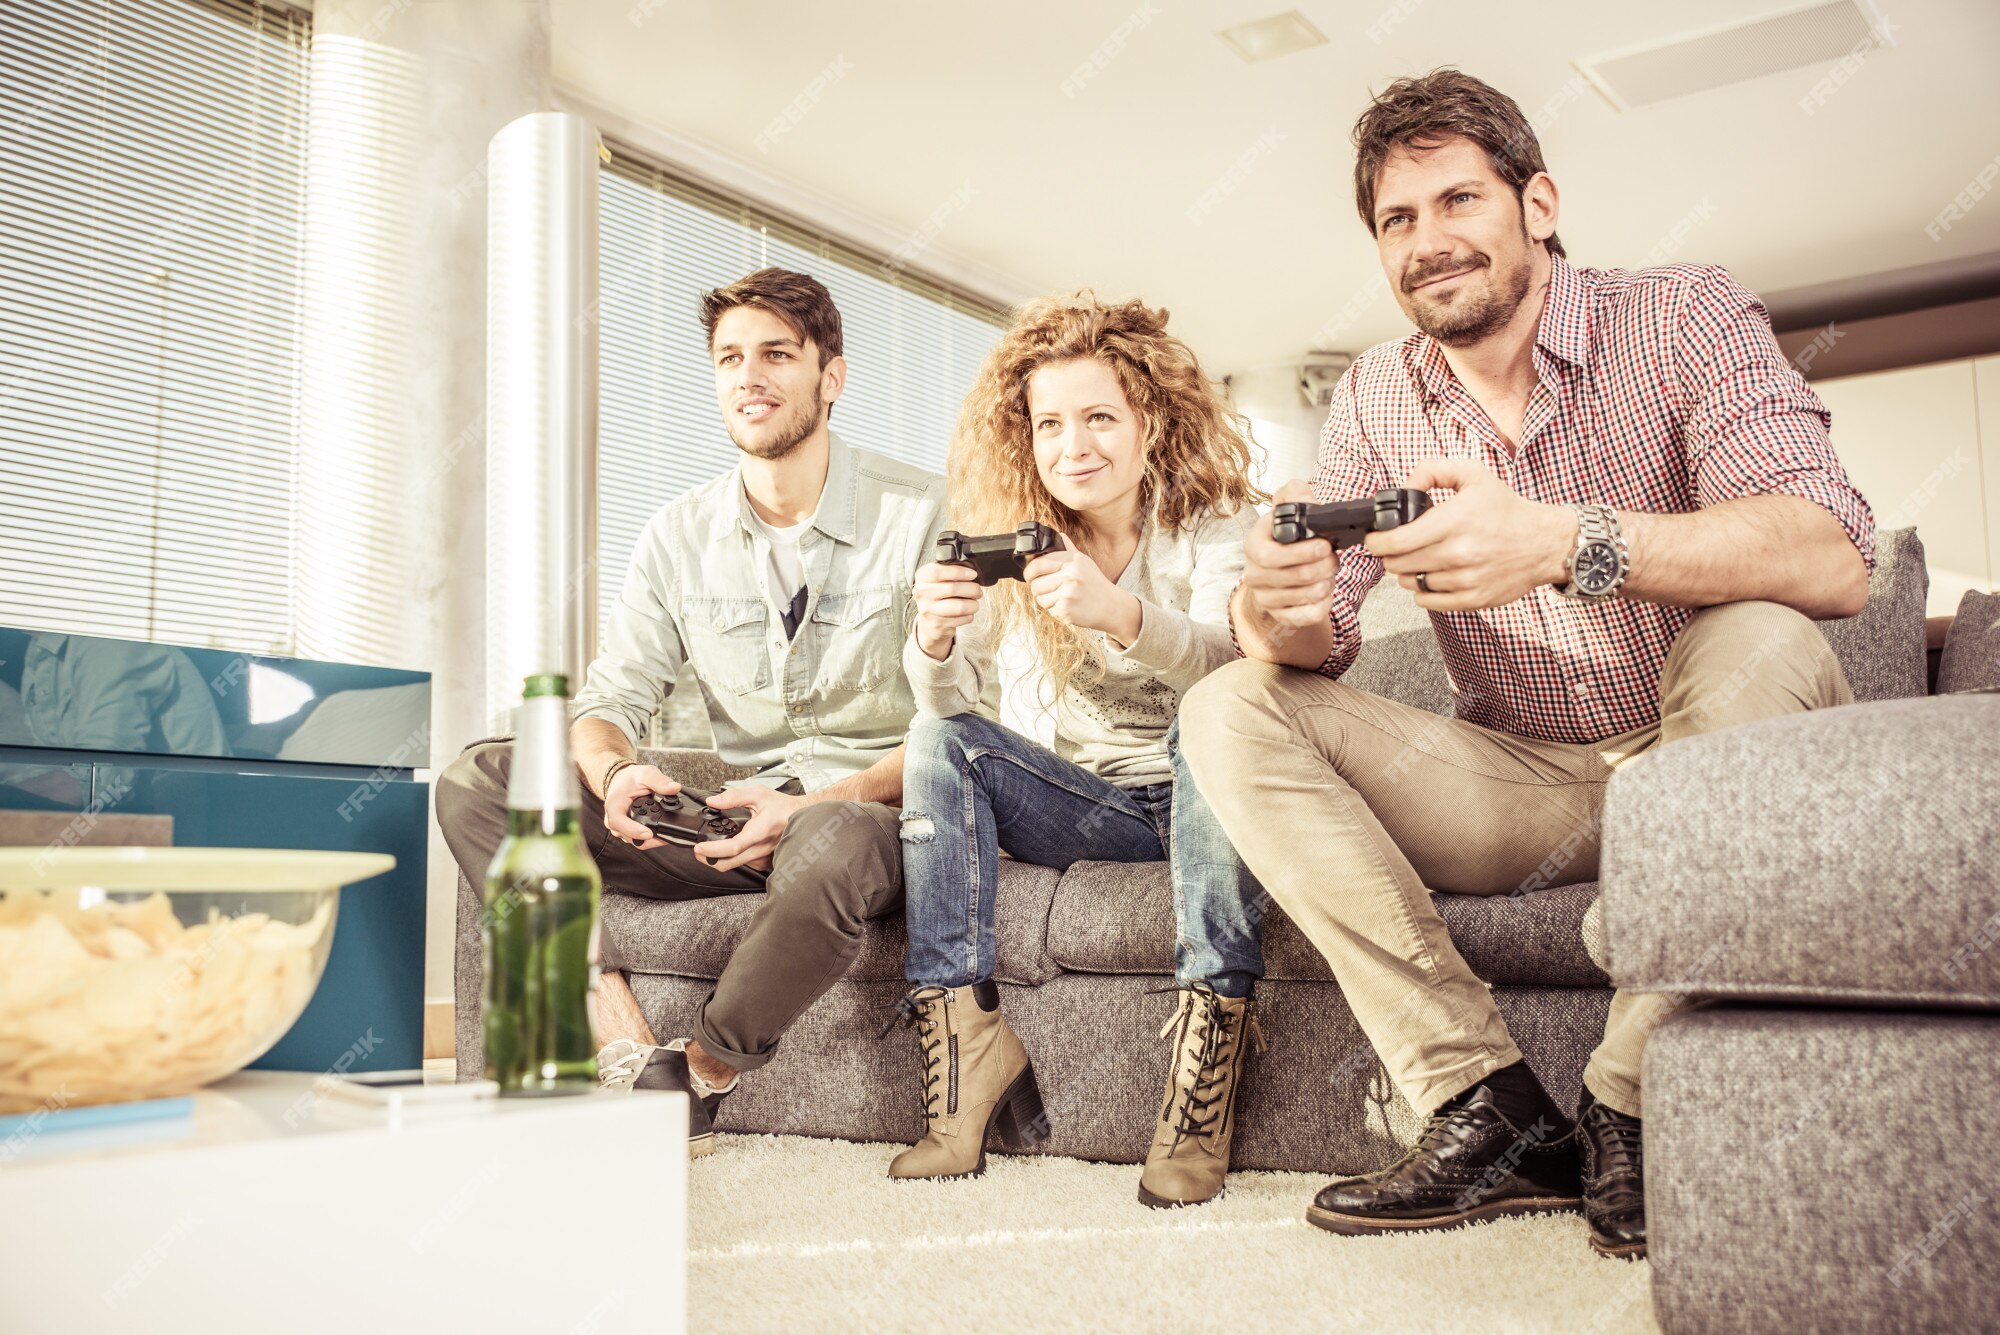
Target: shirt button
799	708
1581	690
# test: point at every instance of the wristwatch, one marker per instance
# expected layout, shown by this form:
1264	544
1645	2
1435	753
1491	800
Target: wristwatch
1598	566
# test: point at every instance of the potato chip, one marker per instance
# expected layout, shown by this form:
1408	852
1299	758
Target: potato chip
101	1001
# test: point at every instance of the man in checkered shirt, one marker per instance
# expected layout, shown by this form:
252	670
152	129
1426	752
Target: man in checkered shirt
1637	512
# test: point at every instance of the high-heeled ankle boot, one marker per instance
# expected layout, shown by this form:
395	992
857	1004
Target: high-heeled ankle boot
1189	1156
976	1078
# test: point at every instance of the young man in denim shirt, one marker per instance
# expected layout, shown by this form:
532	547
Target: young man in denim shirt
782	590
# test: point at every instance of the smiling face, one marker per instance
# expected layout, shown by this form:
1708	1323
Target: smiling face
1090	450
1457	245
772	390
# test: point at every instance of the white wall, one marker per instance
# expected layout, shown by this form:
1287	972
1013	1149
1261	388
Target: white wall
1282	425
1923	444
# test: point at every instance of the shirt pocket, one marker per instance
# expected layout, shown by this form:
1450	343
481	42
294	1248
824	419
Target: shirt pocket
725	640
860	633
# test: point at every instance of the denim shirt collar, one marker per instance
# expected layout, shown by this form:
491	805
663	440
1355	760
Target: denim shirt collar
837	514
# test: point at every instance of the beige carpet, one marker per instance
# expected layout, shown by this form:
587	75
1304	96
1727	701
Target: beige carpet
808	1235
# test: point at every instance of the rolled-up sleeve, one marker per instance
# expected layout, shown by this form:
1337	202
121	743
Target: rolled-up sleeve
635	672
1754	426
1347	467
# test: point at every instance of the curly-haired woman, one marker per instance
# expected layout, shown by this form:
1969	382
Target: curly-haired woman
1094	420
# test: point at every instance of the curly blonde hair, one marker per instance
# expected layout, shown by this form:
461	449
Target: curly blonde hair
1197	450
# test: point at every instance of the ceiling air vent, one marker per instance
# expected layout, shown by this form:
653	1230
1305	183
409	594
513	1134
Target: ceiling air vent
1823	35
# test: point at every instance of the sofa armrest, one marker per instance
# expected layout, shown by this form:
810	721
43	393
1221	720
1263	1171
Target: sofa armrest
1844	856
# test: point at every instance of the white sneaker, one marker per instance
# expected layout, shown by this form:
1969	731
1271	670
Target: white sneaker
619	1063
702	1088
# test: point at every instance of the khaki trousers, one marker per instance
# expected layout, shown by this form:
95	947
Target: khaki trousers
1350	809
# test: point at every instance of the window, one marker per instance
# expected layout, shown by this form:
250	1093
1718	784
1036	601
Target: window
151	164
913	348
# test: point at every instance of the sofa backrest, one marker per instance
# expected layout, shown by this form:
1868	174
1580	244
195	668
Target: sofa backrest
1881	649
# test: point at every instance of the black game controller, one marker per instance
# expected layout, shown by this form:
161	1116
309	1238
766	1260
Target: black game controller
1345	523
1000	555
685	818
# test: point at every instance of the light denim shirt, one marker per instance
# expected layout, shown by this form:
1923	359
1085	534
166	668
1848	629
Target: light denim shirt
825	704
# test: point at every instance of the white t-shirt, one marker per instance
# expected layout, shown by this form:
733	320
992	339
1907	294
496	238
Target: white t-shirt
788	572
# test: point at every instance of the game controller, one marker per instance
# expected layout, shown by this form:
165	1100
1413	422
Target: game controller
998	556
1345	523
685	818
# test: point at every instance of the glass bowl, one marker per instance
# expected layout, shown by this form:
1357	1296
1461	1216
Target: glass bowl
138	973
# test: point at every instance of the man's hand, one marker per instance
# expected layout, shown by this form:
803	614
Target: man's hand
1068	585
1483	547
627	785
1291	583
947	597
767	810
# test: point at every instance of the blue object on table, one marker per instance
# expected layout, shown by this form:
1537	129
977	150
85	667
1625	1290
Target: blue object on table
249	751
101	1114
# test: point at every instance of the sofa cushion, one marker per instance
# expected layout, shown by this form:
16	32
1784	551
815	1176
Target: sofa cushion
1118	917
1971	657
695	938
1847	855
1882	649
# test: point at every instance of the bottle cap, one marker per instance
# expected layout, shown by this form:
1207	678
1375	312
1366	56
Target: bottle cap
546	683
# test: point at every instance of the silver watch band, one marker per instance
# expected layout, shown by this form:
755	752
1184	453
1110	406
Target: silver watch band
1596	524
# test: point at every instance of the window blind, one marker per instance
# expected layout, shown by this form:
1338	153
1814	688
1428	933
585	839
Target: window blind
913	346
151	165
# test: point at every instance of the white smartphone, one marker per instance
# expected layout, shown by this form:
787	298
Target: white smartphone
405	1090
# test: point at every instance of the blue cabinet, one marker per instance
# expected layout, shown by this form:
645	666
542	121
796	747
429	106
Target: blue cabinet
249	751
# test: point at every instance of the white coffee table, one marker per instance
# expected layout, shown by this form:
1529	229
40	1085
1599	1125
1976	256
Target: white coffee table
273	1210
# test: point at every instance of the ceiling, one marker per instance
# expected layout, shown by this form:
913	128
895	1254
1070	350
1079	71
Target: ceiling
1168	168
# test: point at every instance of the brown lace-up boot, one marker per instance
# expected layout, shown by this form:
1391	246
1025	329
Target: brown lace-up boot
976	1077
1190	1152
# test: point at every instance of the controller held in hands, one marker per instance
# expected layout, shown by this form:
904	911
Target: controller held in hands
685	818
1345	523
998	556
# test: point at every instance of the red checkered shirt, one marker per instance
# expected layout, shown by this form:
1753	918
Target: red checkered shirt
1658	390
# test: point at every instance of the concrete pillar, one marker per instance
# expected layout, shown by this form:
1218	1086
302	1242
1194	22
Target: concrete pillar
391	503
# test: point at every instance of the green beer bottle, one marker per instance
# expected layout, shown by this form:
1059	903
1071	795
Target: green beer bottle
540	922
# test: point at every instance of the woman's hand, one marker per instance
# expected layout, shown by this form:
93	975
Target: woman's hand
1068	586
947	597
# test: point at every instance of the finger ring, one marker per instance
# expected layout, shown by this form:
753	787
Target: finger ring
1424	581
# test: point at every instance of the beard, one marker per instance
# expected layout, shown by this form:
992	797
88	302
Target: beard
1463	318
791	426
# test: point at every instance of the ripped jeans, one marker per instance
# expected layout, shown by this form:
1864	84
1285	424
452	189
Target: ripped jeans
972	787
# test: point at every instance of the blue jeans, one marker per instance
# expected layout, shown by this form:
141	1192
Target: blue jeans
972	788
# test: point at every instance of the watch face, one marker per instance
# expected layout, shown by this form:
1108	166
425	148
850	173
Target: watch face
1596	568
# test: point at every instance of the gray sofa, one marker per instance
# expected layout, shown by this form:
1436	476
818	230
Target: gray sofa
1821	1130
1085	958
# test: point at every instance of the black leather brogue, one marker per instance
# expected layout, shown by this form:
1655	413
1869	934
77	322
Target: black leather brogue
1614	1178
1499	1148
